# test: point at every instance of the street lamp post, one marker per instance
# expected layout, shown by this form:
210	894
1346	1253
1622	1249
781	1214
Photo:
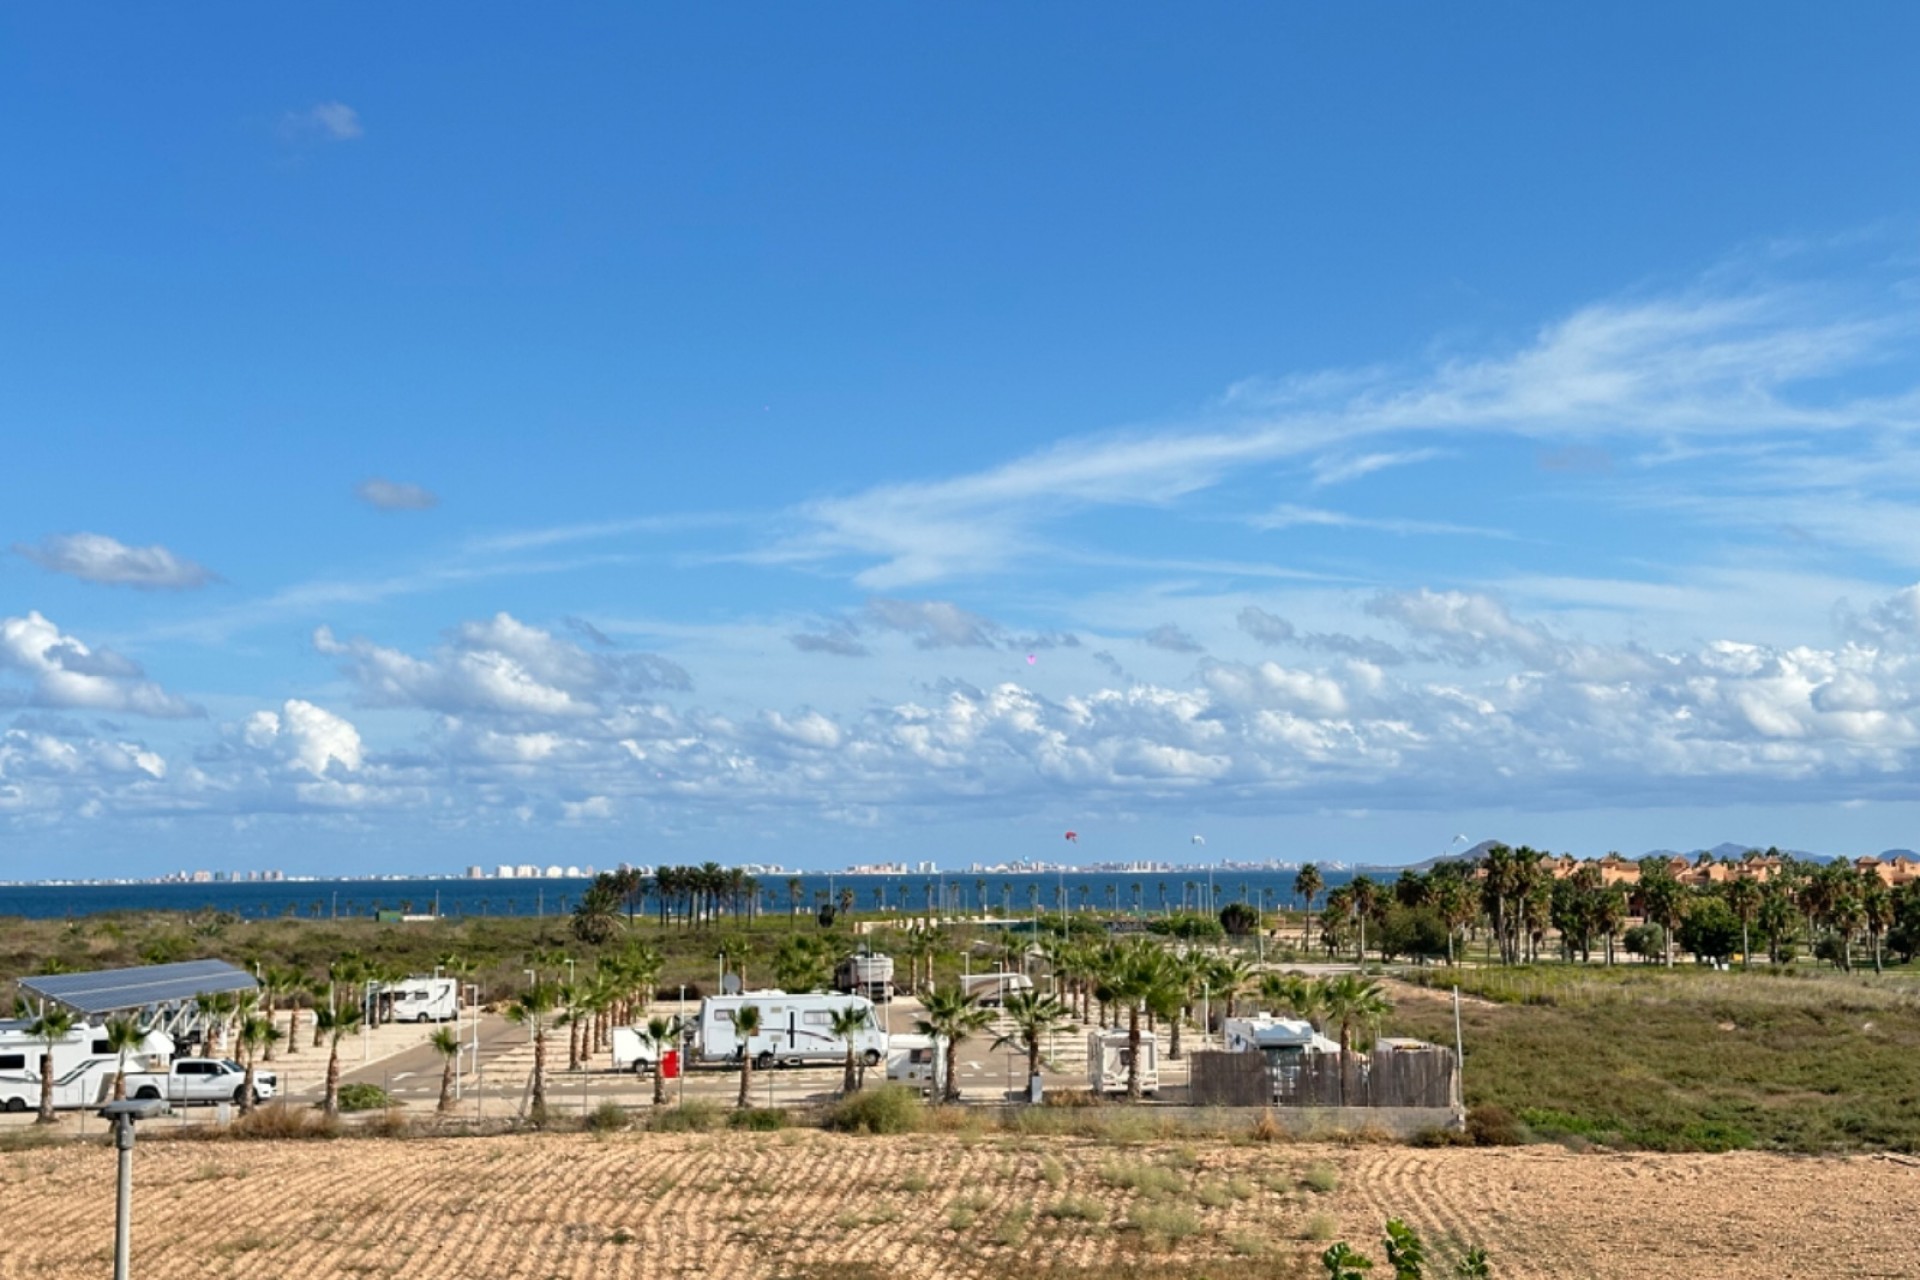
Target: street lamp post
681	1045
121	1115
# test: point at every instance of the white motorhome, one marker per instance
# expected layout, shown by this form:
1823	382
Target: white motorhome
1286	1042
1108	1056
83	1064
994	988
634	1052
918	1062
419	999
868	975
793	1029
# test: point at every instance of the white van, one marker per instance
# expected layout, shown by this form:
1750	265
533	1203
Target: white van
420	999
1107	1058
919	1062
794	1029
994	988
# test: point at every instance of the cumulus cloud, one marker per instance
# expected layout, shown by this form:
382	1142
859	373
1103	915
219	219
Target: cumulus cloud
95	557
1171	638
323	121
935	624
1265	627
63	672
500	666
1466	626
307	737
841	639
392	495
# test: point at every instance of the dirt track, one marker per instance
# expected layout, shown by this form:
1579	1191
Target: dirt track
764	1205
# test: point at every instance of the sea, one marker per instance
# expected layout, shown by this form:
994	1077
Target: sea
1147	892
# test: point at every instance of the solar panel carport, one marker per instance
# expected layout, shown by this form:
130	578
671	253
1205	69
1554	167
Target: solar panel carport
164	990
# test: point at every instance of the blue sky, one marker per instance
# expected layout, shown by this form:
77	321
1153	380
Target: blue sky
452	436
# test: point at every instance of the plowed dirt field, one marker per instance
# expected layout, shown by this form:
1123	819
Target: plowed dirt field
806	1204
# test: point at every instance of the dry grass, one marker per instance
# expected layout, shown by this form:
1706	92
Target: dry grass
735	1205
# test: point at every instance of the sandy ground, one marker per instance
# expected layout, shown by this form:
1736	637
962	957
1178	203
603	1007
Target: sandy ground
804	1203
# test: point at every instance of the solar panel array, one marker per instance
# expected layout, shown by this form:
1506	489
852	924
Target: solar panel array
116	990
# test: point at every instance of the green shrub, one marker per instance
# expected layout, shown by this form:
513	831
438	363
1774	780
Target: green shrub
1321	1179
1076	1209
758	1119
1013	1228
608	1117
1162	1224
1490	1125
1151	1181
688	1117
890	1109
364	1097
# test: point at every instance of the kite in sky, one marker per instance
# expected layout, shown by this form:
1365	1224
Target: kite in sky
1074	836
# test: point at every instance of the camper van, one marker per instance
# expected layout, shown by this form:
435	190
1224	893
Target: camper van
794	1029
83	1064
419	1000
994	988
918	1062
1107	1059
635	1052
869	975
1286	1042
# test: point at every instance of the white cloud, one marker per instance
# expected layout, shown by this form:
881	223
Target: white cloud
500	666
94	557
63	672
935	624
1265	627
308	737
1289	515
1171	638
323	121
1338	469
392	495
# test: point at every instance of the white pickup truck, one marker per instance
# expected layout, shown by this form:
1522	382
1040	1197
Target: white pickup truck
201	1080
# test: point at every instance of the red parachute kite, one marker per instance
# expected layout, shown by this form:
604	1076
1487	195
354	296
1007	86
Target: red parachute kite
1074	836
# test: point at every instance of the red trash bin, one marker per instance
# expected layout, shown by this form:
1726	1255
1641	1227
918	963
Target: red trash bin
670	1065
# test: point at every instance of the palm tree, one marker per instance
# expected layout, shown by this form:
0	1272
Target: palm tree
1743	895
1665	900
52	1026
1139	976
1351	998
661	1034
257	1034
1035	1015
746	1025
123	1036
1876	909
951	1013
532	1007
794	886
447	1041
1366	897
1307	884
846	1024
336	1025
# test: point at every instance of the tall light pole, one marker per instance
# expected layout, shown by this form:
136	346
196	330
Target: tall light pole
121	1116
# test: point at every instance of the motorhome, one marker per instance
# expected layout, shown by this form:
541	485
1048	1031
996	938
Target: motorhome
1286	1042
1109	1055
83	1064
994	988
867	975
418	1000
918	1062
635	1052
794	1029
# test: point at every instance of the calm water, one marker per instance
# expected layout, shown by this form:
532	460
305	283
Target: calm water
1150	892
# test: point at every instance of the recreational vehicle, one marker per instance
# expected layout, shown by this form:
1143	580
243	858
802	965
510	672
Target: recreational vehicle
83	1064
636	1053
793	1029
994	988
918	1062
1108	1056
1286	1042
869	975
418	1000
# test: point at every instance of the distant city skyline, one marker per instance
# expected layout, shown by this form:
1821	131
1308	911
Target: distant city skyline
876	436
